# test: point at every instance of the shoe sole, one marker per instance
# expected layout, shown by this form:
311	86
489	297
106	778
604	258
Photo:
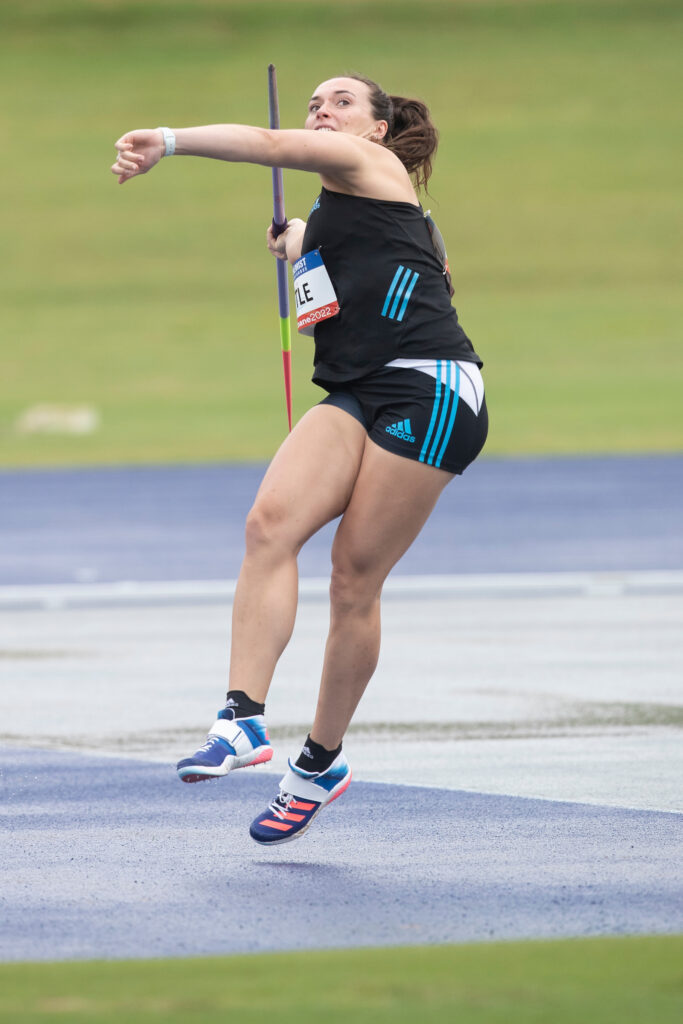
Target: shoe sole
297	835
201	773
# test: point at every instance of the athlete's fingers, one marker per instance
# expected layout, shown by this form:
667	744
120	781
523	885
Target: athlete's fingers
277	246
125	147
126	164
126	152
277	255
123	173
128	169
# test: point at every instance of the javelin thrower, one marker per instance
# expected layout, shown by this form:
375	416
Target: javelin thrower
404	412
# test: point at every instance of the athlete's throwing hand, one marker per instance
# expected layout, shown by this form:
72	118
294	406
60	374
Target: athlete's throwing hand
138	152
287	246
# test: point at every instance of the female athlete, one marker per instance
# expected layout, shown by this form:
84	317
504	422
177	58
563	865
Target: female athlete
404	413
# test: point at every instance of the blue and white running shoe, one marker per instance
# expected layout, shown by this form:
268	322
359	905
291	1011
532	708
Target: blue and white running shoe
302	796
231	743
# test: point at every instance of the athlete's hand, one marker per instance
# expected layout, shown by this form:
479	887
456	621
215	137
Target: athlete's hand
278	246
287	246
138	152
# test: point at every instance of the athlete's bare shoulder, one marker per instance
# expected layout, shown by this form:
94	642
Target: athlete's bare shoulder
379	174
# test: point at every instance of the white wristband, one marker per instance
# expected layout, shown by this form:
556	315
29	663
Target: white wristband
169	141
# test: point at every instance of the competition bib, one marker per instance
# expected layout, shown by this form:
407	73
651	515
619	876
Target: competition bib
313	291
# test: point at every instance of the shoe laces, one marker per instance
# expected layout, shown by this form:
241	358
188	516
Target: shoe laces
211	742
280	805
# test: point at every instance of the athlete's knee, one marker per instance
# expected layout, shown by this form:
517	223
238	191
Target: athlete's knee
355	584
267	527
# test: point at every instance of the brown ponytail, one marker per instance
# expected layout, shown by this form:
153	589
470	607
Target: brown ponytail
410	135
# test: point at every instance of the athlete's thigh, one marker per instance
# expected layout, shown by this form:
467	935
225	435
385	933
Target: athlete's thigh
311	478
391	501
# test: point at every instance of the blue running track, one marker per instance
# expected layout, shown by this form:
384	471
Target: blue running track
107	858
503	515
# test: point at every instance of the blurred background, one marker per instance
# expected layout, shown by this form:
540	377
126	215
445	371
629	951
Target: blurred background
139	324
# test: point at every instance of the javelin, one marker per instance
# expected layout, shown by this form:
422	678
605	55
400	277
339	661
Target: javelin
279	225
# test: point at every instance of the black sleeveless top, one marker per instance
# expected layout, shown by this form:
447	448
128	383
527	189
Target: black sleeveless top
393	297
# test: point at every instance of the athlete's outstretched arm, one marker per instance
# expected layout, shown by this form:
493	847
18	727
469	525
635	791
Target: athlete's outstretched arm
333	153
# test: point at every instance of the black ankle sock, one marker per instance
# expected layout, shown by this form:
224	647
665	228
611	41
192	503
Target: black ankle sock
315	758
243	706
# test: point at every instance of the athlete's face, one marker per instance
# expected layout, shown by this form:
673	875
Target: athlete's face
343	105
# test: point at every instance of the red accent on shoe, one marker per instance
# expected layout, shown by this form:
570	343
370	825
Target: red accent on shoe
276	824
343	789
264	756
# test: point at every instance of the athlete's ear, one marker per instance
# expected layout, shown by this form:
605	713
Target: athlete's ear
381	129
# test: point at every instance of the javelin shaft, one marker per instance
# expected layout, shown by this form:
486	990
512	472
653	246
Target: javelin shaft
279	225
279	219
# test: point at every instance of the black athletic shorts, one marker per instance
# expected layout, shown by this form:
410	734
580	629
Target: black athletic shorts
434	414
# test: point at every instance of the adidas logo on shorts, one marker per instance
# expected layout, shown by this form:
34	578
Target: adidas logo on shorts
402	430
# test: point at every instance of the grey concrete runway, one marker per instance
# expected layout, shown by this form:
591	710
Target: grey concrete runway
561	687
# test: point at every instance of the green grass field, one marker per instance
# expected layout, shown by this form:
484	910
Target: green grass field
556	186
596	981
